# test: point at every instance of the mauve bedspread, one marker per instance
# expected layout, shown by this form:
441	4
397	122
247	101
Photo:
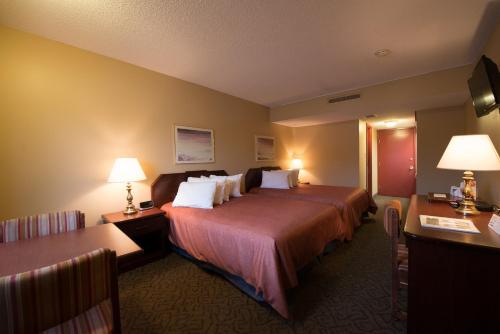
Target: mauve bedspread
351	202
262	239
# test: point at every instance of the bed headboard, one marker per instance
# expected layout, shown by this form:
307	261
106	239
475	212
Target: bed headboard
164	188
253	177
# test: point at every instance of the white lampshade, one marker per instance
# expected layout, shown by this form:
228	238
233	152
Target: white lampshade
297	163
472	153
126	170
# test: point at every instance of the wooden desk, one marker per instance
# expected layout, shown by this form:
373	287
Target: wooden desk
453	277
24	255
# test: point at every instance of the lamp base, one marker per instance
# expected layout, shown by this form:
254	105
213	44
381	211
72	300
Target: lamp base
467	209
467	206
130	209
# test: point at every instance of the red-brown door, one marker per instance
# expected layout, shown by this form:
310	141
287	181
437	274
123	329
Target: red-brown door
396	162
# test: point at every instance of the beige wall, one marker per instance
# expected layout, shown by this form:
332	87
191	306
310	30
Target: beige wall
435	127
330	153
488	183
395	99
66	114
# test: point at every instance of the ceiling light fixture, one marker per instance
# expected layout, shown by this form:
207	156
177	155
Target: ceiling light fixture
382	52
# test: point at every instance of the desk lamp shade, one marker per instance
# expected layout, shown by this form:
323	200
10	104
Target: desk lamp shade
127	170
469	153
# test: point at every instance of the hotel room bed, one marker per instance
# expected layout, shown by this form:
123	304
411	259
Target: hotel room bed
262	239
352	202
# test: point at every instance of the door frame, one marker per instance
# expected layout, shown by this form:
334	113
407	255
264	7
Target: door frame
369	181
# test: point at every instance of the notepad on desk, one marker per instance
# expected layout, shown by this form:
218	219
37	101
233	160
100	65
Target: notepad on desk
449	224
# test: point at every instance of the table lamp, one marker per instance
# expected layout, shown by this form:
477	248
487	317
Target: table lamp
469	153
127	170
297	163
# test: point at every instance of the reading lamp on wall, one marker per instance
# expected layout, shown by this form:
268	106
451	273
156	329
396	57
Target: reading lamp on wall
127	170
469	153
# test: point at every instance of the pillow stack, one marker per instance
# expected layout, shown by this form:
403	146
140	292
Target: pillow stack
197	191
219	187
294	176
195	195
234	182
280	179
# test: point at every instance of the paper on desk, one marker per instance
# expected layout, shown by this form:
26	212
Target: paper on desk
449	224
494	223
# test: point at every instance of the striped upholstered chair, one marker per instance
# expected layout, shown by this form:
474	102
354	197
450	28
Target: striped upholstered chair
79	295
41	225
392	219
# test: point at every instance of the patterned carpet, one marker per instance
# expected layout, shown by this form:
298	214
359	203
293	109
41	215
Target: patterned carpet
348	292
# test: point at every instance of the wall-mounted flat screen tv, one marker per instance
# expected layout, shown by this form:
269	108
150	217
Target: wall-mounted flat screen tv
484	86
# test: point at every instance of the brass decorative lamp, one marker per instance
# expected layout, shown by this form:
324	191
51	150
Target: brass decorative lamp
469	153
127	170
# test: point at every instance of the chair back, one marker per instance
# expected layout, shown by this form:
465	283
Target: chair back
41	225
392	218
37	300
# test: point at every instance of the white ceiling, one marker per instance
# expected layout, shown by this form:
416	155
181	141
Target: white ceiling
270	52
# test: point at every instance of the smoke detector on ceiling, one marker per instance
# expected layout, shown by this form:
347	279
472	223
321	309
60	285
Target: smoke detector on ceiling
382	52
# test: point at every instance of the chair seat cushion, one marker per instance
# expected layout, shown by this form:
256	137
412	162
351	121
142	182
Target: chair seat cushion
403	264
98	319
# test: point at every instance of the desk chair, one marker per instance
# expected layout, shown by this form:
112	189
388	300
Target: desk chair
40	225
392	219
79	295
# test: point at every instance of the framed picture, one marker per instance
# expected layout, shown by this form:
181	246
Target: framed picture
264	148
194	145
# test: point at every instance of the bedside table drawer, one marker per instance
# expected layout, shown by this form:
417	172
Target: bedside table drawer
135	228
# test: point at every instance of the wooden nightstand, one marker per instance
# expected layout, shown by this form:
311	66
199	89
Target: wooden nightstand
148	229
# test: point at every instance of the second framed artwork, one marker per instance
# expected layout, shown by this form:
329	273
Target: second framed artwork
194	145
264	148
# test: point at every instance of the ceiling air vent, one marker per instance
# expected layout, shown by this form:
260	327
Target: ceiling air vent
371	116
344	98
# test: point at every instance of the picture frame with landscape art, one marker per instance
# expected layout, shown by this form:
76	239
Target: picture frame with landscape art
194	145
264	148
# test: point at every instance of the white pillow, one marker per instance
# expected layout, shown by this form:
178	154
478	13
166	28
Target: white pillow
195	195
219	191
294	175
288	172
275	180
228	185
228	188
236	184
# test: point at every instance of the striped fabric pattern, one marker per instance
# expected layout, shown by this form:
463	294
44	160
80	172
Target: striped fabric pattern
38	300
392	216
40	225
97	320
403	264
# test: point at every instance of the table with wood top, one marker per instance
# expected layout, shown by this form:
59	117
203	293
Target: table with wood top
453	277
25	255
